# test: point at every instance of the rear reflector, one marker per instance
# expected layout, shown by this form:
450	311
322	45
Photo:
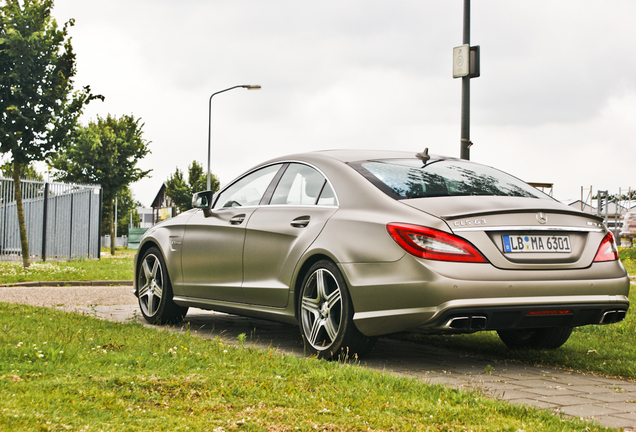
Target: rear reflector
549	312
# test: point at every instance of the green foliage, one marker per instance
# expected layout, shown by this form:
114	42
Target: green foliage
105	152
37	64
181	192
628	258
38	107
616	198
125	205
63	371
197	178
28	172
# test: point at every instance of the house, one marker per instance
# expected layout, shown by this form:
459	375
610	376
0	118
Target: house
145	217
162	206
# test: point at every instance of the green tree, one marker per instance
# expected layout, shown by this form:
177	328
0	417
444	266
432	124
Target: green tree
105	152
181	192
198	180
28	172
178	190
126	205
38	106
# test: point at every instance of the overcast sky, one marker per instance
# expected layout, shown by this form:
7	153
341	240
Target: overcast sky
556	100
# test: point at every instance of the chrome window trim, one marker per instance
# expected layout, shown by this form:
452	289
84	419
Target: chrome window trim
529	228
299	206
290	161
335	194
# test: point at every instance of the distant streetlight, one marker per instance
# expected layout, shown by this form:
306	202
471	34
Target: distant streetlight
246	86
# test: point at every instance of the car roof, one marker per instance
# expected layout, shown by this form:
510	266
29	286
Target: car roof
351	155
354	155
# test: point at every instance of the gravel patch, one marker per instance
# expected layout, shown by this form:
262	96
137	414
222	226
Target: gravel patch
69	296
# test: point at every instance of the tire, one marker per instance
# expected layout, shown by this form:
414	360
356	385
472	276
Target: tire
326	315
542	338
155	291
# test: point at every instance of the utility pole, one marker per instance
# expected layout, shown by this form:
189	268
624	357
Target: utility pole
466	66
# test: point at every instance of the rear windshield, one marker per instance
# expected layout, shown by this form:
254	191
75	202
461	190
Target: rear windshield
409	178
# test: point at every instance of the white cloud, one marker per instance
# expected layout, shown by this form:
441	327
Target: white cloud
555	101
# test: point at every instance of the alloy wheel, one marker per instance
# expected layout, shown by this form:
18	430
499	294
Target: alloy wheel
151	285
321	309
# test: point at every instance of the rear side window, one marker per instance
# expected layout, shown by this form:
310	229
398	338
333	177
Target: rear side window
300	185
410	178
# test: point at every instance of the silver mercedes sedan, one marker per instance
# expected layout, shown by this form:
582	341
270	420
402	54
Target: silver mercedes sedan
351	245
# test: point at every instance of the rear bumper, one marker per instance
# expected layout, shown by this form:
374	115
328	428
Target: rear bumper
408	295
495	314
477	318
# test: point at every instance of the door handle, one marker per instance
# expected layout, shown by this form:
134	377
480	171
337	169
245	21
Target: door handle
300	222
238	219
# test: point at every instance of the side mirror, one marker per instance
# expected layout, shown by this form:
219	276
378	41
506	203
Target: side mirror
202	200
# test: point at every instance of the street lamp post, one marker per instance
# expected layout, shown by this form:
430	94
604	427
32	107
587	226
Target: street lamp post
465	119
246	86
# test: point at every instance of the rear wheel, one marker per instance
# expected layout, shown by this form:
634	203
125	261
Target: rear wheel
326	315
155	291
542	338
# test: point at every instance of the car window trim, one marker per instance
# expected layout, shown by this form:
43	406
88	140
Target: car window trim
335	194
269	193
238	179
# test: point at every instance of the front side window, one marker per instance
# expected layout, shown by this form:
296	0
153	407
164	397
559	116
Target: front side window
300	185
410	178
249	190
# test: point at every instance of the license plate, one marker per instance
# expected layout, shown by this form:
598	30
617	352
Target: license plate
536	243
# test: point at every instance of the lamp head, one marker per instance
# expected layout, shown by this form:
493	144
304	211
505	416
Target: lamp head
252	87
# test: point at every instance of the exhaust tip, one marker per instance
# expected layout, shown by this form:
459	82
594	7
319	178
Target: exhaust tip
478	323
614	316
467	323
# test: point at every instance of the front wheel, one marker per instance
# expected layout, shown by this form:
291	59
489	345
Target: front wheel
155	291
326	315
542	338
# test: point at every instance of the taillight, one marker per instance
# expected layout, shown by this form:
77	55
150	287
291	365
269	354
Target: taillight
433	244
607	251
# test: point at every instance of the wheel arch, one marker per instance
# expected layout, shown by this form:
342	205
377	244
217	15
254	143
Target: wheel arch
302	272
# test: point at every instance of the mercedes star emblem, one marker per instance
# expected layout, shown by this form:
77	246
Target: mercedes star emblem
542	218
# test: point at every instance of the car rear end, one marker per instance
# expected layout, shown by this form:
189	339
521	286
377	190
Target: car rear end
511	257
543	268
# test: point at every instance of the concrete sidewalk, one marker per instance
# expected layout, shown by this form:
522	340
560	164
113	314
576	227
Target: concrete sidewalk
610	402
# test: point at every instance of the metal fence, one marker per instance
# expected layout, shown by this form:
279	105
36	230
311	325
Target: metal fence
62	220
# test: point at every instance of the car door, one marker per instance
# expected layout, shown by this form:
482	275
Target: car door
212	257
279	233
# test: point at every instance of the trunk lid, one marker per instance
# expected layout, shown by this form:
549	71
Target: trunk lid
519	232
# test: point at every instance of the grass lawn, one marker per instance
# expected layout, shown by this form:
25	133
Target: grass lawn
628	258
62	371
608	350
115	267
